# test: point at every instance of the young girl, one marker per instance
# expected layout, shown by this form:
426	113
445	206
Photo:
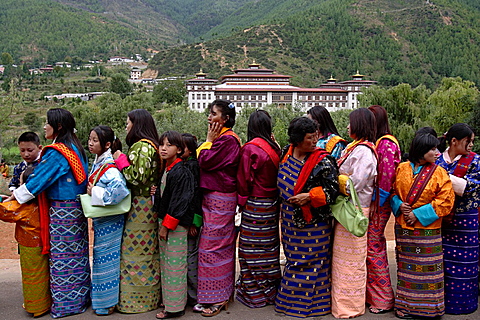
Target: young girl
423	195
110	189
172	202
190	160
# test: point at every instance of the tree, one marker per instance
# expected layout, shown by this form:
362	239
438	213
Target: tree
170	92
119	84
7	59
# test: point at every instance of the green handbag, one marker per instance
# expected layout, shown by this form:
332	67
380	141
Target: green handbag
104	211
349	213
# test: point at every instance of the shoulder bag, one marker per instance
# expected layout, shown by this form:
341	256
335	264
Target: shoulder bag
350	215
104	211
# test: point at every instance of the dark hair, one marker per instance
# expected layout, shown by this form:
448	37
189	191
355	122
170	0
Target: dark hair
260	126
298	129
143	127
381	119
227	108
105	134
457	131
190	143
421	144
29	137
63	124
362	124
324	120
174	138
427	130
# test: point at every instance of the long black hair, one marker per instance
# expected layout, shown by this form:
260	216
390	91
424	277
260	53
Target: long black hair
324	120
105	134
260	126
458	131
381	119
363	124
143	127
190	143
63	125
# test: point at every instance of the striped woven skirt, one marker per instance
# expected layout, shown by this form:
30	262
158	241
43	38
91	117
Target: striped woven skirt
107	233
460	256
69	264
305	286
216	251
349	272
420	286
35	273
173	269
140	261
259	253
379	287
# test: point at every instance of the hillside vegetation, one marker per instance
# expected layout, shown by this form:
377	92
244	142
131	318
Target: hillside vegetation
390	41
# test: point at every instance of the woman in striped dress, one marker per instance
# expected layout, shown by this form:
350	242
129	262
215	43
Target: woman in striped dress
460	234
423	196
110	189
308	183
259	244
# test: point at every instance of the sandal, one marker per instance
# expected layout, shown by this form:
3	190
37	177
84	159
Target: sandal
104	311
169	315
378	310
215	309
199	307
402	315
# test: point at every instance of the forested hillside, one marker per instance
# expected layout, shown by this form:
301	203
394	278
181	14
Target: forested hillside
45	30
390	41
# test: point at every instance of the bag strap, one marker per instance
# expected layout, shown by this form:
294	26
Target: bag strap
420	183
354	195
100	172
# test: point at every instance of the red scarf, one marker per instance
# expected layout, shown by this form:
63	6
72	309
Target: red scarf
313	159
462	165
43	202
265	146
420	183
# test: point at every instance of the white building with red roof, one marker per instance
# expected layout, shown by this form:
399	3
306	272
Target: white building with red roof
256	87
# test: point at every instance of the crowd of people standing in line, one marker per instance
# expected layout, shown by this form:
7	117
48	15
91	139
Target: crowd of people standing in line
176	245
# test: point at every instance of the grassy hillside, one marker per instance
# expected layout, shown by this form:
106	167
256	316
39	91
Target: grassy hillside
390	41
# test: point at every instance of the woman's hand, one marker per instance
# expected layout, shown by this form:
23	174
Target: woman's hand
116	154
192	231
9	198
89	188
153	189
214	130
410	218
163	233
300	199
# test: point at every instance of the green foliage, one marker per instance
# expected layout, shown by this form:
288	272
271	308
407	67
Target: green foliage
32	121
119	84
7	59
170	92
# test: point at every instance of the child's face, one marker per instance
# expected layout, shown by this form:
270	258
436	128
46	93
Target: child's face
94	144
431	156
29	151
186	154
168	151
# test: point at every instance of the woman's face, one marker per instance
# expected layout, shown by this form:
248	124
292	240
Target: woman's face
431	156
49	132
94	145
216	116
309	142
463	146
350	134
129	125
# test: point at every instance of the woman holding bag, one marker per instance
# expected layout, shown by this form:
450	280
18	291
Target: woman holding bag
349	271
110	189
308	184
